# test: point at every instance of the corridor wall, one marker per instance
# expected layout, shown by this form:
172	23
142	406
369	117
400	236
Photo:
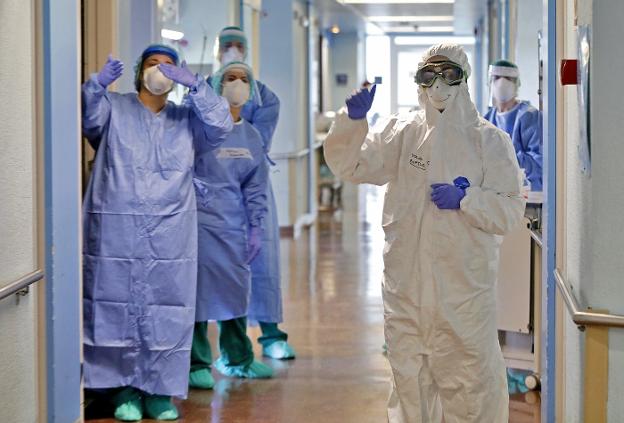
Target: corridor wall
18	319
593	241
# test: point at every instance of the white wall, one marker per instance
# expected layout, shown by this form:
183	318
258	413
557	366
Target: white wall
605	288
529	23
18	360
347	57
594	240
577	235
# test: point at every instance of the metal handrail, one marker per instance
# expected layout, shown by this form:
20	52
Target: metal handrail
21	284
536	237
585	318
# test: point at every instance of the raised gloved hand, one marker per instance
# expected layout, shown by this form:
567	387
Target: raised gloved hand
447	196
360	103
181	75
110	72
254	243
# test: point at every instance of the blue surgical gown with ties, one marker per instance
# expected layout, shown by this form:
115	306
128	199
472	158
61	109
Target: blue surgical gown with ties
140	236
231	188
523	123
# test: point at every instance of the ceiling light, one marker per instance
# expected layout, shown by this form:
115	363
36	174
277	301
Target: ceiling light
335	29
435	29
410	18
170	34
396	1
430	40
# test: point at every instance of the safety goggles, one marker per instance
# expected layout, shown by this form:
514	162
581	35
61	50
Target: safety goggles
450	72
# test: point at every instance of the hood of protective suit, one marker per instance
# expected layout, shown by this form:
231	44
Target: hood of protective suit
460	111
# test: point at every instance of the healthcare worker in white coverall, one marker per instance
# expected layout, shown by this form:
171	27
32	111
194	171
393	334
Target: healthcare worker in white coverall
453	191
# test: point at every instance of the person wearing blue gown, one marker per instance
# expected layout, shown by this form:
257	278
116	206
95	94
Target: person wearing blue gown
519	119
140	231
231	187
265	306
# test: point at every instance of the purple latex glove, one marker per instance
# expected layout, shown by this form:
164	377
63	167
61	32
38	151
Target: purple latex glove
447	196
360	103
254	243
181	75
110	72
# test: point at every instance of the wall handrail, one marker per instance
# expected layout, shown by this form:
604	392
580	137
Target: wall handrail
536	237
585	318
21	284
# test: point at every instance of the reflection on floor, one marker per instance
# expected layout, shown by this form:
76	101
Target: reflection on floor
333	313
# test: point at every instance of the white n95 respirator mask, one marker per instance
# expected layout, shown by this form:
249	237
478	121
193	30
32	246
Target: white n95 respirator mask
232	54
155	81
441	94
503	90
236	92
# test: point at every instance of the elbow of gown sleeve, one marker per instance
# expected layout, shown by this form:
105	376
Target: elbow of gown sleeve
265	121
96	110
264	117
212	111
343	145
525	162
493	212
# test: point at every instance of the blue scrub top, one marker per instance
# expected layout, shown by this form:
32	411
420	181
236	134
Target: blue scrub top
523	123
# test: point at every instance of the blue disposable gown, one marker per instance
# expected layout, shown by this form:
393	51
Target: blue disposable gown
523	123
266	292
140	236
231	188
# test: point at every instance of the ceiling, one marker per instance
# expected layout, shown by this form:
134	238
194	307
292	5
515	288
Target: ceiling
413	17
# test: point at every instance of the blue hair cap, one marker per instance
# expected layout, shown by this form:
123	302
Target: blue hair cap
149	51
160	49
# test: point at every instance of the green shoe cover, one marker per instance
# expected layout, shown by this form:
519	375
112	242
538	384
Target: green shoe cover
279	350
160	407
201	379
255	370
128	406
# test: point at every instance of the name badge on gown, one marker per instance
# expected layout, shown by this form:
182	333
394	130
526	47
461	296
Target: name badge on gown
234	153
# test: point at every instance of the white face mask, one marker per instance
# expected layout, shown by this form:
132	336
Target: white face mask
236	92
155	81
233	54
503	90
441	94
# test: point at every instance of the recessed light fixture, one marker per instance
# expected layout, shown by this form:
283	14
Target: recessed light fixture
335	29
410	18
435	28
397	1
432	39
170	34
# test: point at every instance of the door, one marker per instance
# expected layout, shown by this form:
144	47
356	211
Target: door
19	219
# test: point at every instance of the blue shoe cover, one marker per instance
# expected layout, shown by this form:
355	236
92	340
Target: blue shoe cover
128	406
201	379
515	381
255	370
279	350
160	407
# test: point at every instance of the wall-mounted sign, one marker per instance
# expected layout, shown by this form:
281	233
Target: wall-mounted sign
342	79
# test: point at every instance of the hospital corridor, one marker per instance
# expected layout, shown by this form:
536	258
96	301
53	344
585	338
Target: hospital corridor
311	211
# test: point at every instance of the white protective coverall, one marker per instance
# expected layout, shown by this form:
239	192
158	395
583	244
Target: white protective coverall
439	286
